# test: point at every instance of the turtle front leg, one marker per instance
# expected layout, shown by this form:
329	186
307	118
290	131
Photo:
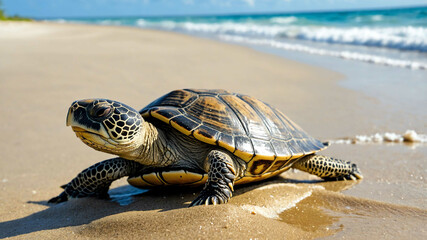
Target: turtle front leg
328	168
96	180
221	174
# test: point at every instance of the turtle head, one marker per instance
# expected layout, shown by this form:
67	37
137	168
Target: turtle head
106	125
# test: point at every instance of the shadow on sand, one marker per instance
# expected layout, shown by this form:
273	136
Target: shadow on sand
76	212
82	211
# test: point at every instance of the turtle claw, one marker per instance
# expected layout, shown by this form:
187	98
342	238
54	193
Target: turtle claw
219	186
354	175
351	177
63	197
212	196
100	191
356	172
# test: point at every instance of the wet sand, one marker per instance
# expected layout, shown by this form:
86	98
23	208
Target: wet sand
45	66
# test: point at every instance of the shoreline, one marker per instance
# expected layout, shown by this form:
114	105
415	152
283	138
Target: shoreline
45	69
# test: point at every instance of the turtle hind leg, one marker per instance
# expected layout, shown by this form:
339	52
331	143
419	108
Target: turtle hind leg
96	180
328	168
221	174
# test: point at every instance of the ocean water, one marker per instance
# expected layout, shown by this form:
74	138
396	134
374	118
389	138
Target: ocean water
394	37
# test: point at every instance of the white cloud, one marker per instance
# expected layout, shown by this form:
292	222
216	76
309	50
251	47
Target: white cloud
252	3
249	2
220	3
230	3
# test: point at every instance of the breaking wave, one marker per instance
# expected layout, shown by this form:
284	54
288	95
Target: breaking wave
392	37
318	51
402	37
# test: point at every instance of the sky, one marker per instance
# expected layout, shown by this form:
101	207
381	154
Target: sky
110	8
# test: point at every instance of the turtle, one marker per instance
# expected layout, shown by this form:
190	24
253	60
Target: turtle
194	137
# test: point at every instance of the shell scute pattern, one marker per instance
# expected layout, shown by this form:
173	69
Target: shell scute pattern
244	146
264	148
187	123
176	99
280	148
245	126
226	141
294	130
213	113
275	126
205	134
247	116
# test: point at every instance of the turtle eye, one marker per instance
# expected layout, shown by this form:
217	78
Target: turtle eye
103	111
100	111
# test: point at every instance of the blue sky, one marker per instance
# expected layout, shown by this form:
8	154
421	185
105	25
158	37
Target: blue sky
76	8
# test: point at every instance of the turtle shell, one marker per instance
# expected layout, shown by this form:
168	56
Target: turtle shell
247	127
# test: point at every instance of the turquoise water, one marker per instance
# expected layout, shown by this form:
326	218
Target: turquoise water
396	37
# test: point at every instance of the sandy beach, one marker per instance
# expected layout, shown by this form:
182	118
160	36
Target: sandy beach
44	67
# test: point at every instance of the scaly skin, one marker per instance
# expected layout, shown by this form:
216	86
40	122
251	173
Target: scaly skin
221	174
96	180
328	168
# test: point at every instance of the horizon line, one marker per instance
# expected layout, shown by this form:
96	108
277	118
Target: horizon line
237	14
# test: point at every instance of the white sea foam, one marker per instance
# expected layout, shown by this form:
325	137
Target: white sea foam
410	136
141	22
404	38
284	20
233	28
318	51
59	20
377	17
111	22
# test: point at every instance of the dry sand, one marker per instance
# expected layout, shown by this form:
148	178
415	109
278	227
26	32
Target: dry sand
45	66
